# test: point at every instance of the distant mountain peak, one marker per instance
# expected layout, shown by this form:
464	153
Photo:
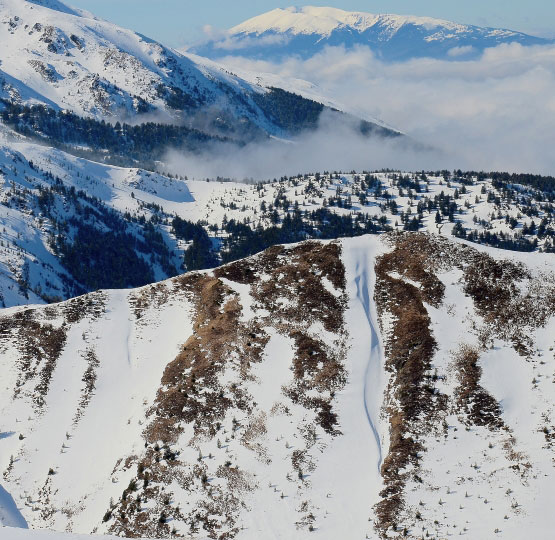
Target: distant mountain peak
306	31
324	20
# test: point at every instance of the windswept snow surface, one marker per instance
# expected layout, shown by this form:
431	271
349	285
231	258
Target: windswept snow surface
360	259
350	467
8	533
10	516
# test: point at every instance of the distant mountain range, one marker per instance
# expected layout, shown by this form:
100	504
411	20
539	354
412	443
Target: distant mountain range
306	31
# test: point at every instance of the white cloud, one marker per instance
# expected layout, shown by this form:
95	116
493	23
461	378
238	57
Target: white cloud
457	52
234	43
493	113
335	145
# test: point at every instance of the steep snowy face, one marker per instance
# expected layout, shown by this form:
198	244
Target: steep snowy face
67	59
55	5
306	31
364	388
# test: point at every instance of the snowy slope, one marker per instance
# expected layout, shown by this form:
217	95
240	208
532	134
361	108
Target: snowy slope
70	60
22	534
356	389
40	187
31	271
305	31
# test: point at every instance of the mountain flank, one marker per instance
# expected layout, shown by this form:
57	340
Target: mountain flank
372	377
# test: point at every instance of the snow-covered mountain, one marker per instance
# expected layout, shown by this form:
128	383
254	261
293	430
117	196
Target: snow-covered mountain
69	225
320	381
67	59
378	387
305	31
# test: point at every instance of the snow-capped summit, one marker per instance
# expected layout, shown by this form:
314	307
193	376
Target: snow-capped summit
324	20
306	31
54	5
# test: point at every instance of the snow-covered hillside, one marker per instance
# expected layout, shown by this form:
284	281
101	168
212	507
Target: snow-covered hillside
305	31
47	195
394	386
57	208
72	60
25	534
67	59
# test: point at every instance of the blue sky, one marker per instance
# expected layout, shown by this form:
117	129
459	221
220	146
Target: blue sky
178	22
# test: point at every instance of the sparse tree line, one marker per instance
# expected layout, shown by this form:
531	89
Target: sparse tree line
103	248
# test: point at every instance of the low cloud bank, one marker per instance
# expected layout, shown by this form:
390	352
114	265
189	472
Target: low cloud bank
494	113
335	146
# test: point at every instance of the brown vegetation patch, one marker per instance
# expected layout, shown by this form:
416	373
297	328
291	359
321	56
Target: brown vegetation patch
316	371
294	294
90	305
155	295
508	297
39	345
495	288
413	259
190	390
510	302
89	378
298	277
192	394
243	272
410	347
480	408
295	274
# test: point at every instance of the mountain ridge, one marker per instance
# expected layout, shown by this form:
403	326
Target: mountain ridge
306	31
70	225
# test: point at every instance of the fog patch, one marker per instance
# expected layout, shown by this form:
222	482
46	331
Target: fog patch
336	145
496	112
457	52
238	43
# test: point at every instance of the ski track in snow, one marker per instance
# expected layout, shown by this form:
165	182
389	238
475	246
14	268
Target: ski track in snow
361	260
364	297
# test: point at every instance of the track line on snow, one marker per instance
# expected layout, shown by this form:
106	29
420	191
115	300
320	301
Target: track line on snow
361	281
